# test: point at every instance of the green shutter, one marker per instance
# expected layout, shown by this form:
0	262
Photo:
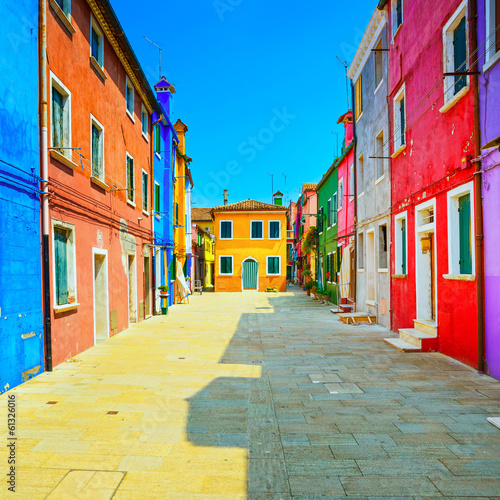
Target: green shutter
403	246
176	214
403	120
96	161
157	139
250	274
130	178
57	119
329	213
61	261
460	54
157	198
465	234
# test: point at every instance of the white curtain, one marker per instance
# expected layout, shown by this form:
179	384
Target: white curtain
345	271
182	286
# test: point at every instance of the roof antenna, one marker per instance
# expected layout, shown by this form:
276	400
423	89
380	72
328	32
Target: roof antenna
346	66
159	52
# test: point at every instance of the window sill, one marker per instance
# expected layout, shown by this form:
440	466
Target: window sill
224	274
491	62
378	86
62	158
398	151
131	203
157	217
361	195
145	213
383	270
158	155
146	138
275	239
98	182
396	32
460	277
225	239
361	270
371	303
448	105
62	16
98	67
359	117
399	276
273	274
130	116
65	307
257	239
380	179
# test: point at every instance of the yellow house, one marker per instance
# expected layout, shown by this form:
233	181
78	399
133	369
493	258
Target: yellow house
201	216
250	246
205	256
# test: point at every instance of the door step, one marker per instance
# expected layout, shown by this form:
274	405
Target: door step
426	325
357	317
402	345
418	338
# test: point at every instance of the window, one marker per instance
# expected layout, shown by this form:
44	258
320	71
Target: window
289	251
96	42
396	15
64	263
460	224
320	220
274	230
65	6
492	31
176	215
129	97
130	179
358	94
145	122
145	191
361	175
226	264
256	230
329	213
401	244
455	53
351	182
97	149
379	72
400	119
157	198
273	265
157	139
61	117
382	246
379	141
335	209
341	194
226	229
361	251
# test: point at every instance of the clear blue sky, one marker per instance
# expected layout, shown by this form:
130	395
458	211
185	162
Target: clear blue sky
258	85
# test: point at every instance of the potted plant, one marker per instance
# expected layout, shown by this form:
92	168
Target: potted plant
163	290
319	294
308	287
314	290
326	296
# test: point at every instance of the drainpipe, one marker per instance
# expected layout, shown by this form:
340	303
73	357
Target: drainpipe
478	205
355	274
45	186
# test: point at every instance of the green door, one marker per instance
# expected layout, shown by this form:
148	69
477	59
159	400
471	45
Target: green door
250	274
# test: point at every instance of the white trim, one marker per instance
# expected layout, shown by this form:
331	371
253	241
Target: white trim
457	97
130	201
251	222
387	225
95	25
362	253
491	55
142	191
340	197
232	266
156	183
378	86
267	265
379	151
395	29
269	230
398	257
453	229
65	19
491	62
460	277
94	120
130	85
220	229
100	251
359	117
134	279
379	180
144	110
396	117
361	195
63	90
375	266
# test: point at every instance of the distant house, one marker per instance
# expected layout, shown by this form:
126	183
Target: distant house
250	246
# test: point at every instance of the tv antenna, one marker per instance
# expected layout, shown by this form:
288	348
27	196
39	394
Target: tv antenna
159	52
346	66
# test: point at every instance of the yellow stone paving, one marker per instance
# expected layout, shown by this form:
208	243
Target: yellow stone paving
147	374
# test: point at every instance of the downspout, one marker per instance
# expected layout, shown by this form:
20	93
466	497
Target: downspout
478	205
152	187
45	185
355	273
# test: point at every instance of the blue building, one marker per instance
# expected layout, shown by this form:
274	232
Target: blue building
21	316
165	143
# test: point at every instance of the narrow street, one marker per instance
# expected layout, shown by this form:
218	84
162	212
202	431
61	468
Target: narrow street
265	396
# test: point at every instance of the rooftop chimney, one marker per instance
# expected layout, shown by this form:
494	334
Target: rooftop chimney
225	196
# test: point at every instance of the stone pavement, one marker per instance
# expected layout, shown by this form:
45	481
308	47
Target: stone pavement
265	396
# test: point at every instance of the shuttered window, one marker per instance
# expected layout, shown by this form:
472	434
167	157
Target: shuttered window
465	234
329	213
226	264
358	95
157	139
256	230
176	214
335	209
226	229
274	230
320	220
97	152
57	119
460	54
157	197
273	265
145	191
61	264
403	246
130	179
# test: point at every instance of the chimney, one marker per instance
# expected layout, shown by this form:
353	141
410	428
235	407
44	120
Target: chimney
225	196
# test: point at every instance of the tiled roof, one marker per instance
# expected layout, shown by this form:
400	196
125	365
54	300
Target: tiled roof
309	186
198	213
248	205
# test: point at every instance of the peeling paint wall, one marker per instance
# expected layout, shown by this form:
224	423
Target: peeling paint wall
21	319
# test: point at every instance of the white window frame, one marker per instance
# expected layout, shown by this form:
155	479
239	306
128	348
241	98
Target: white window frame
157	215
375	56
132	201
351	182
55	82
269	229
380	153
328	260
340	195
454	232
232	265
387	243
450	98
72	274
220	229
395	29
129	85
100	126
360	179
262	223
335	208
360	250
94	25
267	265
491	55
398	135
398	251
144	112
146	212
328	213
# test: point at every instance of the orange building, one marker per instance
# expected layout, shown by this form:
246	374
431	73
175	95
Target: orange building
100	176
250	246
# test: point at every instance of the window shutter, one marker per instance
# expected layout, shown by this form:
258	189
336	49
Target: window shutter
403	122
61	261
176	214
403	246
145	192
96	170
459	54
399	13
130	178
57	119
465	234
157	198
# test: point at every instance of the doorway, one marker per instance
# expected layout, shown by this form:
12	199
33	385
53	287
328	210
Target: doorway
101	307
250	274
370	266
157	280
147	286
132	289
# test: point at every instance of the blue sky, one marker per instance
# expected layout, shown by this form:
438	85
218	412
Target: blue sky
258	85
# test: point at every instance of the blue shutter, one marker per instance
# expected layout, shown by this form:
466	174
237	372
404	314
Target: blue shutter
460	54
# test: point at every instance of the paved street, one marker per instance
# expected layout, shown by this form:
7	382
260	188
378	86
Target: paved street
265	396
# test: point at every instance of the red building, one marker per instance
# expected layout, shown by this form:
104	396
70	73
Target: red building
432	142
100	176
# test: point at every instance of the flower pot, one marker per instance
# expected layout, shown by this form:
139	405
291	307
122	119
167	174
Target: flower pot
308	293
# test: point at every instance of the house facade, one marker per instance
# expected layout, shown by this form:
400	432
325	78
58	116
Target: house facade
305	218
433	258
369	76
489	96
21	323
203	256
250	246
100	178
